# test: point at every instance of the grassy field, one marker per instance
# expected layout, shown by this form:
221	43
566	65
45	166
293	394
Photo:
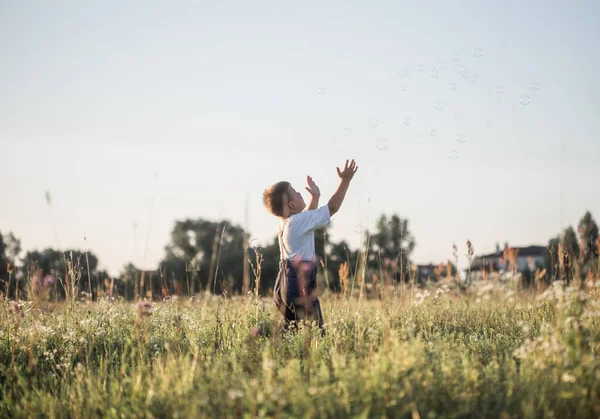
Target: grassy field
416	352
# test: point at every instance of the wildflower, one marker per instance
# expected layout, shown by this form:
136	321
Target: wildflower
144	308
568	378
48	281
17	308
36	283
255	332
235	394
470	251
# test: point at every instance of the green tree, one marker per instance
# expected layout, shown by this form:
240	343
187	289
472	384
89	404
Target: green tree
392	241
588	234
213	249
56	263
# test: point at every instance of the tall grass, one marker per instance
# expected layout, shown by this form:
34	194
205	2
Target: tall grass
489	351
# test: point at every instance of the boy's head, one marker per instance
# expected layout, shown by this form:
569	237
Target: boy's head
282	200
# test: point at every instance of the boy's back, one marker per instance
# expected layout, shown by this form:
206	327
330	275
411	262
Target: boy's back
297	233
295	287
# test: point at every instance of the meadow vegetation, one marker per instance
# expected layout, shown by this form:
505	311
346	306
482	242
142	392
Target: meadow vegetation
436	350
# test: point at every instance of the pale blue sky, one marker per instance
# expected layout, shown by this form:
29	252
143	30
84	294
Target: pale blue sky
221	99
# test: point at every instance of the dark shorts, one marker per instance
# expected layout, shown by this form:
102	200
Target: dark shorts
291	303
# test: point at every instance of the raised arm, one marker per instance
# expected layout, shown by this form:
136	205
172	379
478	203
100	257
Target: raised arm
346	176
314	192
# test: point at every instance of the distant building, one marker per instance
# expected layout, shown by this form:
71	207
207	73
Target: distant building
530	257
433	272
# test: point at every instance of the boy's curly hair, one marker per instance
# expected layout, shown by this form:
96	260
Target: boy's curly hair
275	198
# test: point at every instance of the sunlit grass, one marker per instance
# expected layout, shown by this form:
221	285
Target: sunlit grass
440	352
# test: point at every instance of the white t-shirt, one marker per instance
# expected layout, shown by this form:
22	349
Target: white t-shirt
296	233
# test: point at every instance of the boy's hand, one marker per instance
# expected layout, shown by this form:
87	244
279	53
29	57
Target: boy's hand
349	170
312	188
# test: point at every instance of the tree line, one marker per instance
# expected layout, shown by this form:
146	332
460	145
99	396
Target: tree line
217	257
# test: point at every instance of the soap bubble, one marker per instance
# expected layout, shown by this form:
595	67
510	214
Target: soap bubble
438	106
456	115
348	131
443	64
406	121
504	44
359	229
477	52
403	88
373	122
455	57
525	100
474	79
489	123
499	90
417	138
322	91
403	72
381	143
435	73
421	68
535	86
433	132
454	155
376	170
464	73
453	87
461	138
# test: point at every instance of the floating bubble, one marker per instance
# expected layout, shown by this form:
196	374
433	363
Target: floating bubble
454	154
417	139
477	52
359	229
457	68
453	87
381	143
421	68
406	121
402	88
438	105
373	123
474	79
455	57
499	90
443	64
461	138
403	72
435	73
464	73
525	100
456	115
433	132
504	44
535	86
322	91
489	123
348	131
376	170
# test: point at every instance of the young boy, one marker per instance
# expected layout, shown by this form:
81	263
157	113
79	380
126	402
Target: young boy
295	287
